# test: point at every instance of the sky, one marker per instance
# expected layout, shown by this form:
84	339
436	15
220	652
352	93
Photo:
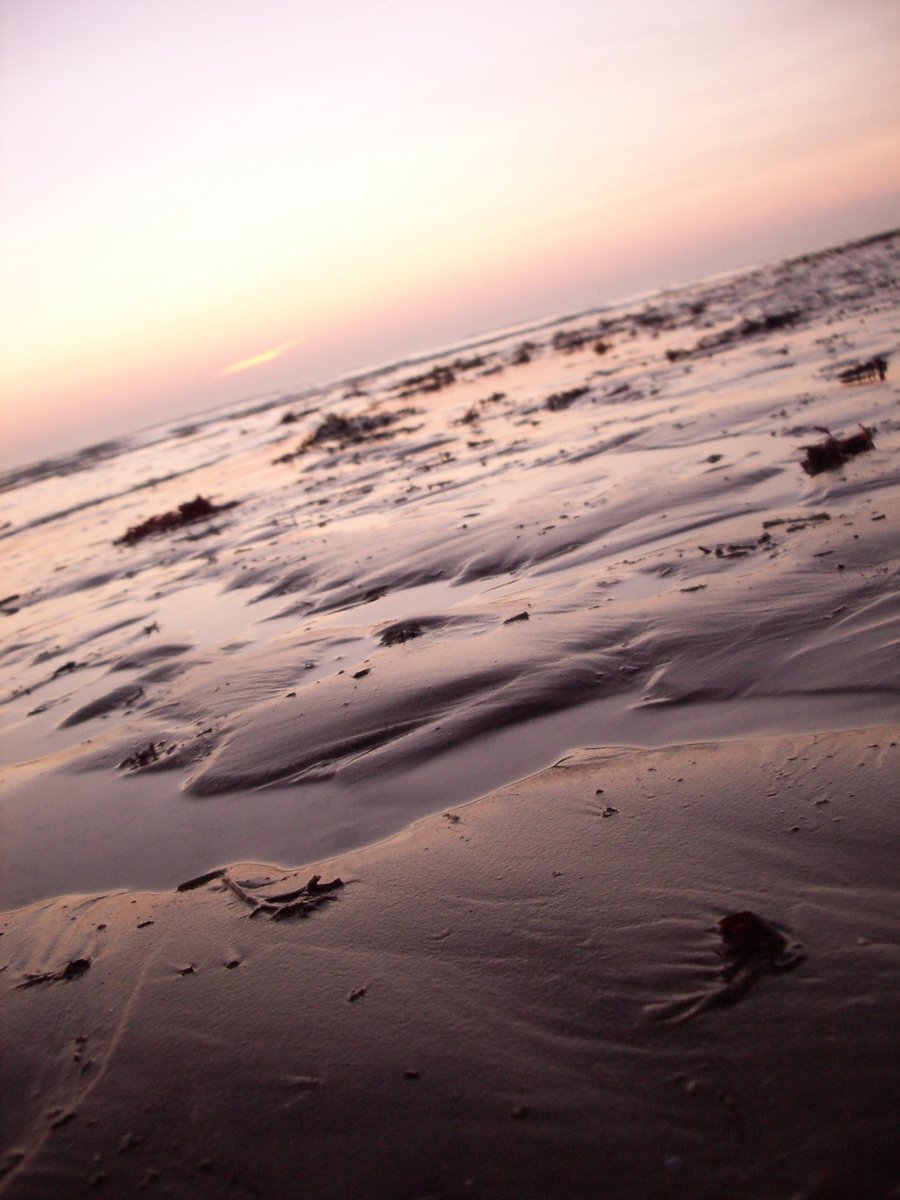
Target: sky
202	200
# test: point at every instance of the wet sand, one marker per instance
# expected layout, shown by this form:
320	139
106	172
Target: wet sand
379	651
497	1003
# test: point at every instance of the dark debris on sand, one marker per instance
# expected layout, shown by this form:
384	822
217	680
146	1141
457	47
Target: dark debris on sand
440	376
523	354
299	902
751	947
522	616
402	631
832	452
737	549
143	757
749	938
567	340
561	400
349	430
865	372
748	328
186	513
66	669
431	381
72	970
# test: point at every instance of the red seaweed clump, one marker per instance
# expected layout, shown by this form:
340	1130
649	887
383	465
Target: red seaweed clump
185	514
832	452
749	938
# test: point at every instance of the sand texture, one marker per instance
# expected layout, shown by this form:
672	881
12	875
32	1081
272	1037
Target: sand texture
500	1002
366	631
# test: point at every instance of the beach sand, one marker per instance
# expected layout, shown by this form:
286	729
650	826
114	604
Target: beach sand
501	1001
551	650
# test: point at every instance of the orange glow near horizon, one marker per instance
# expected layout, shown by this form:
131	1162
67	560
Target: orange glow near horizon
247	364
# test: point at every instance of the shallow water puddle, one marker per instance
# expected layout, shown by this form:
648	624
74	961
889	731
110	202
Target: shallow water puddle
640	585
31	722
210	617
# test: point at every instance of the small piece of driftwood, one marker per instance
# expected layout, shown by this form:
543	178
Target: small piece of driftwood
299	902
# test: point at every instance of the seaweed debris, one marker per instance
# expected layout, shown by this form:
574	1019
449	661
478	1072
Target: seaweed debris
72	970
401	631
748	328
750	939
752	947
439	377
66	669
186	513
794	523
737	549
141	758
523	354
560	400
348	430
567	340
355	429
832	452
865	372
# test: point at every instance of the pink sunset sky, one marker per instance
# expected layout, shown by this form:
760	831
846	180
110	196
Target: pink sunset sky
208	199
